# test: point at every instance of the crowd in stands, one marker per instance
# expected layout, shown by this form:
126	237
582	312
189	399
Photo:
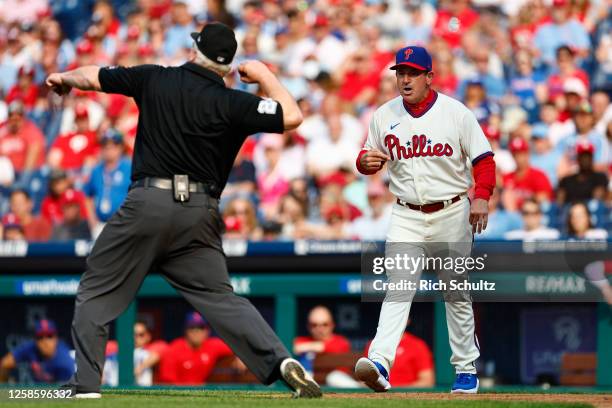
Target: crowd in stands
536	73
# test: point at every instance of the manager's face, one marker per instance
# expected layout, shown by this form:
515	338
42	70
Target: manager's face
413	84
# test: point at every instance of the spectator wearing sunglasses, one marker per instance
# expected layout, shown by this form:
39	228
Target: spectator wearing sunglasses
322	339
147	353
46	358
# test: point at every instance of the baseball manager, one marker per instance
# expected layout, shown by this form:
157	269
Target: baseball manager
427	140
190	128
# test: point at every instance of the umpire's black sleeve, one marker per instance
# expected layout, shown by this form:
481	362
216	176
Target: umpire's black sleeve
125	81
252	114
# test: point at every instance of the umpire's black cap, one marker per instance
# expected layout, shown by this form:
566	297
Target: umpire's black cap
217	42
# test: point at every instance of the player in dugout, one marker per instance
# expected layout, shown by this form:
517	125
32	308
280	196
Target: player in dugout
46	358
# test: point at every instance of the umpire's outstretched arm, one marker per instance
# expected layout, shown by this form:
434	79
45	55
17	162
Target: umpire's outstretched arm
83	78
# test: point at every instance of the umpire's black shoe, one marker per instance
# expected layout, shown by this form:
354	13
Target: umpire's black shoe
299	380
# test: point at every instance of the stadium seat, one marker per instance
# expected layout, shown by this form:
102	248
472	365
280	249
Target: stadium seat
578	369
325	363
599	213
37	187
225	372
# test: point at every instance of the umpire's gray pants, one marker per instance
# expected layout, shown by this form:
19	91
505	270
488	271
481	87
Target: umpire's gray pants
182	241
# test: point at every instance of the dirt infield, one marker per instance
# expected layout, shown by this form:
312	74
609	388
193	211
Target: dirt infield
597	400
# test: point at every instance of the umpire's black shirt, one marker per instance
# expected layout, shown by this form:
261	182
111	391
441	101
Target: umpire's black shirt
189	122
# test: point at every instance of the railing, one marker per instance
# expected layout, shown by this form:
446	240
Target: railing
241	248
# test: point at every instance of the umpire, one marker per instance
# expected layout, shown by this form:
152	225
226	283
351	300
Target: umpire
190	129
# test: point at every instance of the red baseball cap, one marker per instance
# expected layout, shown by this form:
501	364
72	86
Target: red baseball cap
84	47
45	327
26	70
80	111
518	144
491	132
69	197
321	21
333	178
584	146
133	32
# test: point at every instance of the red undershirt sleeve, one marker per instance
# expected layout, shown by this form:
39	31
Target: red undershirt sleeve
484	176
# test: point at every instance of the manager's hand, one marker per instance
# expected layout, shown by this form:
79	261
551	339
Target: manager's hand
479	215
373	160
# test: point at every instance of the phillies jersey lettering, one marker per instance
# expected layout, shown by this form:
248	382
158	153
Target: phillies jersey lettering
431	155
419	147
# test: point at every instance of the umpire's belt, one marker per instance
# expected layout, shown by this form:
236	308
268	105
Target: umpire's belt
166	184
429	208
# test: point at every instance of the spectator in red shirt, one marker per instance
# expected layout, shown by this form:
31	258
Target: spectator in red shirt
73	150
143	339
526	181
21	141
189	360
50	207
102	46
35	228
454	20
566	63
25	89
105	19
413	366
359	77
445	80
74	225
529	18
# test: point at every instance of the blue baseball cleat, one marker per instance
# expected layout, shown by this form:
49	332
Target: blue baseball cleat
373	374
465	383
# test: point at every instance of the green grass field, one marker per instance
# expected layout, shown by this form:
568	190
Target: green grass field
257	399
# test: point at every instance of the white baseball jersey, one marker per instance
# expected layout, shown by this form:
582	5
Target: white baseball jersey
430	154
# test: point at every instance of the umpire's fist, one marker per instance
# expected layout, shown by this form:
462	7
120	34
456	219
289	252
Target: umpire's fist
56	83
372	161
253	71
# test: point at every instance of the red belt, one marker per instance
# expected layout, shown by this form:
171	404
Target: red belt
429	208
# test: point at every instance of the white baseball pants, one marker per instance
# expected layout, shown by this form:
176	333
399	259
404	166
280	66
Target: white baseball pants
419	235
